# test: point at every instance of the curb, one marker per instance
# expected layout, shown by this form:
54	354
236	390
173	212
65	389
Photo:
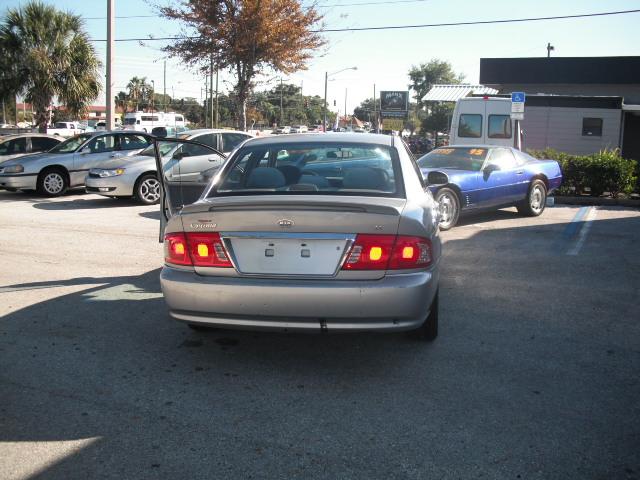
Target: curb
620	202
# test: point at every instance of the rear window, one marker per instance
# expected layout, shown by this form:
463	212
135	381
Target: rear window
499	126
470	125
458	158
307	169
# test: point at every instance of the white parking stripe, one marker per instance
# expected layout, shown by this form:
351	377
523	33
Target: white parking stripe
582	235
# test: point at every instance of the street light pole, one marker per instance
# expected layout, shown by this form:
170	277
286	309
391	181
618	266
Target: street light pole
326	79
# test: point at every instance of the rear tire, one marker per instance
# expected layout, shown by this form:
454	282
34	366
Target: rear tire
536	200
52	182
147	190
449	206
429	329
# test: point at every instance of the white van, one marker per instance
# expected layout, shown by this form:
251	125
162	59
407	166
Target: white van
482	121
145	122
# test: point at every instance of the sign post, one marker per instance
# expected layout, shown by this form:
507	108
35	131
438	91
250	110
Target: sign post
517	115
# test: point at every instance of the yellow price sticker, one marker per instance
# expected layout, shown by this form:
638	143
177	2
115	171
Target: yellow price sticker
445	151
477	151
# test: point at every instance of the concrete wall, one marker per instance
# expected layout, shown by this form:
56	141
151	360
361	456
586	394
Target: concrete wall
630	92
561	129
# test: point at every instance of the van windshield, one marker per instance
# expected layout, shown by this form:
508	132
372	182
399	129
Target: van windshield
129	121
457	158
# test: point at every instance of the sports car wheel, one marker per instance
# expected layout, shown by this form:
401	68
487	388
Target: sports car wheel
429	329
148	189
52	183
536	200
449	206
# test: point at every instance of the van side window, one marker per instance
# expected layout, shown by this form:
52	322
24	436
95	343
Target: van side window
470	125
499	126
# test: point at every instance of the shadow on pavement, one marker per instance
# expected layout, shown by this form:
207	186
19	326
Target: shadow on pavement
153	215
520	381
87	203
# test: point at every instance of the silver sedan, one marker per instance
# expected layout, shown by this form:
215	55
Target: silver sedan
136	176
312	232
66	165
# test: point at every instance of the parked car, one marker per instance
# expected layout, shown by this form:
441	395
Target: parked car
284	129
299	129
14	146
66	165
266	247
137	176
65	129
467	179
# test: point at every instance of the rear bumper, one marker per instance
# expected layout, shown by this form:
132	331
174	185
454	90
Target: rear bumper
393	303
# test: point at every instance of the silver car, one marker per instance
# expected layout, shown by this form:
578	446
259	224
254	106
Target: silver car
66	165
19	145
136	176
310	232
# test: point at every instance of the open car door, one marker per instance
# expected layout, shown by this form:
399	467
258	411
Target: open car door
185	169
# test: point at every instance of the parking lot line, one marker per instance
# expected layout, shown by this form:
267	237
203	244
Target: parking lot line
591	214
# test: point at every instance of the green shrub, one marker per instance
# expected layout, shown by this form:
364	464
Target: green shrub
605	171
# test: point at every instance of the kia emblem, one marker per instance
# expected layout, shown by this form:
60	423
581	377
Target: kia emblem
284	223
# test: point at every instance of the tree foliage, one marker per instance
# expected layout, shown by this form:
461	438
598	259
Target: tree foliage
46	54
434	72
247	37
365	111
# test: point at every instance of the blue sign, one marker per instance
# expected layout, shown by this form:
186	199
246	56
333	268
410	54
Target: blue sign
517	97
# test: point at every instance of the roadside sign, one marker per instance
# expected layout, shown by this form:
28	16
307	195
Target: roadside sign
517	104
517	115
517	97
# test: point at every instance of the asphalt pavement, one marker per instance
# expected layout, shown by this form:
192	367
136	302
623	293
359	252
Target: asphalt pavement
534	374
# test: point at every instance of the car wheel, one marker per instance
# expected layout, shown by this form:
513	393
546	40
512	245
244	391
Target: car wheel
148	189
429	329
449	206
536	200
52	182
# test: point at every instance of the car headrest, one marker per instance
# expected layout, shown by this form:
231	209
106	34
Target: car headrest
291	173
365	178
266	177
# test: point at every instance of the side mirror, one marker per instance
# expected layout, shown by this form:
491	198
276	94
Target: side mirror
491	167
437	178
178	155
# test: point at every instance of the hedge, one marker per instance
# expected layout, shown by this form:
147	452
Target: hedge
605	171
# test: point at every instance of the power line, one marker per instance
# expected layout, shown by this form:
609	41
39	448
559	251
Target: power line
323	5
398	27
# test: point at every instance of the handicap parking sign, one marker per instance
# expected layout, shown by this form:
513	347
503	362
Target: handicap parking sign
517	97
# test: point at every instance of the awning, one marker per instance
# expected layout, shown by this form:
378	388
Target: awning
453	93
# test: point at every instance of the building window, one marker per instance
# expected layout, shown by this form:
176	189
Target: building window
499	126
470	125
591	127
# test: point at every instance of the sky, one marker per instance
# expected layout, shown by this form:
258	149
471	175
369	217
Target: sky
382	57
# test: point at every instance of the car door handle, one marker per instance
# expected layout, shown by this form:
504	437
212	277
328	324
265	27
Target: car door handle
214	159
115	155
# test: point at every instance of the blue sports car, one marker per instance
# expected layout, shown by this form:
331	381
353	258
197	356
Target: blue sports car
473	178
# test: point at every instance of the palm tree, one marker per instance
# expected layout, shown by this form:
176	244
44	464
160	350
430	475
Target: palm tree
139	91
45	54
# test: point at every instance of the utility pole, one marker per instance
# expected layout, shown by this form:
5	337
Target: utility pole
324	118
280	102
217	72
345	107
375	117
549	48
211	88
205	103
110	45
164	86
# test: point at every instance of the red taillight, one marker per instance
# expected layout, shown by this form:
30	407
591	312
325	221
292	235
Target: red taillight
198	249
175	249
388	252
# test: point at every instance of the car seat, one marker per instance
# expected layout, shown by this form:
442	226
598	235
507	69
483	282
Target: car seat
266	177
366	178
